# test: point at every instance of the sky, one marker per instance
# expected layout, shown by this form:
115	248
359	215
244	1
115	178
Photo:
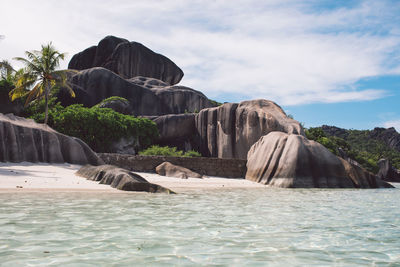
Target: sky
334	62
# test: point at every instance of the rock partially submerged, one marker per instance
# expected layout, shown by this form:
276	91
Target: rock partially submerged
292	161
228	131
127	59
119	178
25	140
171	170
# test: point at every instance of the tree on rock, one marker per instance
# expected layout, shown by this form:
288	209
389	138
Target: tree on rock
40	75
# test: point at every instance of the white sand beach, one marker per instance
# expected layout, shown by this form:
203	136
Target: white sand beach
45	177
61	177
182	185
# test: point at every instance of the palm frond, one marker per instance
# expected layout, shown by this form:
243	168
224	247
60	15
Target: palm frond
34	93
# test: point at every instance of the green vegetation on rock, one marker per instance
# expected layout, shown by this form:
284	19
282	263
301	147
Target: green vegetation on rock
5	87
168	151
357	145
215	103
111	99
98	127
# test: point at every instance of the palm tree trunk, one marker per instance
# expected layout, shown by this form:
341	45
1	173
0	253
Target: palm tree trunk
46	101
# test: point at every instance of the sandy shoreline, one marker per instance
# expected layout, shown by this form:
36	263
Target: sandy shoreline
43	177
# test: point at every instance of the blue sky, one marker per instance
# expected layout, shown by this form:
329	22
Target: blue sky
324	62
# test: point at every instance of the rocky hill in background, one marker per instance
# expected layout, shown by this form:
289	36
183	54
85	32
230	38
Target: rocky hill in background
389	136
365	146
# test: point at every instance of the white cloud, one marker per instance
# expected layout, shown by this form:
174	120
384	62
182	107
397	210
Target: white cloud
279	50
393	123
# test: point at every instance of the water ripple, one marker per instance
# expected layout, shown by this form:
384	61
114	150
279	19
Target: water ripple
252	227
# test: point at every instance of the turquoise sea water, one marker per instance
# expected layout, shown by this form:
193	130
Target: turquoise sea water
241	227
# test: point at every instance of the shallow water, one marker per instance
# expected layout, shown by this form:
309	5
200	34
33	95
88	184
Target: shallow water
241	227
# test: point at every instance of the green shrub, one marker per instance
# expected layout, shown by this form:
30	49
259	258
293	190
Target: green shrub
113	98
215	103
5	86
37	107
167	151
192	154
99	127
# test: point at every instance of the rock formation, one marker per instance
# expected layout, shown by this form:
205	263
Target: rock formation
93	85
292	161
389	136
228	131
7	106
171	170
119	178
25	140
118	104
175	99
128	59
176	130
387	172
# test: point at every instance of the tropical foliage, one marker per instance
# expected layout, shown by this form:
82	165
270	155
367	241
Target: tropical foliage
40	76
111	99
168	151
98	127
357	145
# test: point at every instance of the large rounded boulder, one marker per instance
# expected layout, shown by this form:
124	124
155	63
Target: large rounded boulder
387	172
127	59
120	179
25	140
94	85
174	99
146	96
228	131
292	161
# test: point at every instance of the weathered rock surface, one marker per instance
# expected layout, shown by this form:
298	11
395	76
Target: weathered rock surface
128	59
174	99
8	106
93	85
389	136
292	161
125	145
119	178
118	105
176	130
25	140
171	170
228	131
387	172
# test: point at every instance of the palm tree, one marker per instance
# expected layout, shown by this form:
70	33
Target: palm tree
40	75
6	70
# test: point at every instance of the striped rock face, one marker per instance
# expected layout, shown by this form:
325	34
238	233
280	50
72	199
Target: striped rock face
292	161
228	131
25	140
